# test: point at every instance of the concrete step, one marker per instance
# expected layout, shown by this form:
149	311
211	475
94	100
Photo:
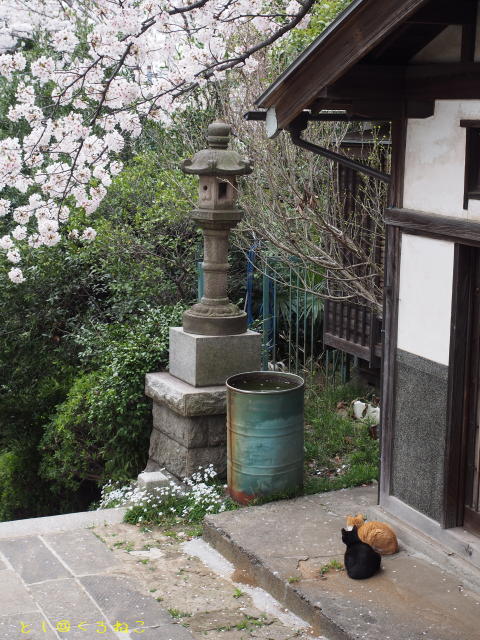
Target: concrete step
282	547
62	522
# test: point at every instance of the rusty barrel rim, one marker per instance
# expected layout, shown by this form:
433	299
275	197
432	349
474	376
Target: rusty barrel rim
300	382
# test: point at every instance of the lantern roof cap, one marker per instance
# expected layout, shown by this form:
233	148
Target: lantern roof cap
218	159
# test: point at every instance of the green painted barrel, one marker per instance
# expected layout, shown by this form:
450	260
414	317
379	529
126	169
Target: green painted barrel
264	434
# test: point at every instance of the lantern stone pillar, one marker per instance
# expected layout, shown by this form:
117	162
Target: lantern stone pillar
189	402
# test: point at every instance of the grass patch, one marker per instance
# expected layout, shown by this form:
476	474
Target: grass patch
249	623
176	613
333	565
339	451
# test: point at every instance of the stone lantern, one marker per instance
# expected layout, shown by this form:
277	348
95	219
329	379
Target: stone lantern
189	401
217	213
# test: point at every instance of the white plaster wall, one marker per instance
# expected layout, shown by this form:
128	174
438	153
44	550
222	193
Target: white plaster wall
435	151
435	160
425	297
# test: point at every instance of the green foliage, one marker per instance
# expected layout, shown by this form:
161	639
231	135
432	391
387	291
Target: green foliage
174	508
102	428
176	613
14	481
80	333
322	15
333	565
171	504
339	451
66	332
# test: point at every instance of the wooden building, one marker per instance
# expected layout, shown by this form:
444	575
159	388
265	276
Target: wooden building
415	63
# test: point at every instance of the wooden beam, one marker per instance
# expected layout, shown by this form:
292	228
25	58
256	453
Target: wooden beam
353	38
347	345
367	82
469	33
399	143
456	80
446	12
388	110
434	225
379	109
452	80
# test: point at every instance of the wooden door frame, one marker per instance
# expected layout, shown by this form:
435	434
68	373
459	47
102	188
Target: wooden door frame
458	394
393	238
467	430
466	236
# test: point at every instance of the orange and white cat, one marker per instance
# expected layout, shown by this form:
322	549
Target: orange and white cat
379	535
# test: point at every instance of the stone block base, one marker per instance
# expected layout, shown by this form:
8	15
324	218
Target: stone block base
190	431
183	461
189	426
202	361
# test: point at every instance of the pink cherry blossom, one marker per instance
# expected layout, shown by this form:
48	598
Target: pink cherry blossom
16	275
138	62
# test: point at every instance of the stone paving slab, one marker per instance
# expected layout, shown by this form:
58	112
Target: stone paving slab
81	551
120	601
14	597
163	632
66	600
30	625
59	586
32	560
410	599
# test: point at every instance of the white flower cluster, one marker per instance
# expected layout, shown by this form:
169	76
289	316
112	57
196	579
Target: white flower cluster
196	496
157	49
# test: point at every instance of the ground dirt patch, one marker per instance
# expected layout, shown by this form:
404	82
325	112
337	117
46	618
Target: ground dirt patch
212	606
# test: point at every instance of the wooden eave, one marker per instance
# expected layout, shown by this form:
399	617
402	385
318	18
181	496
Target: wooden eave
363	57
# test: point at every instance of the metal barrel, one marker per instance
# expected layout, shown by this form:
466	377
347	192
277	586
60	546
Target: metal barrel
264	434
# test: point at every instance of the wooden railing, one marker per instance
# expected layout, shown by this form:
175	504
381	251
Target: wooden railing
353	328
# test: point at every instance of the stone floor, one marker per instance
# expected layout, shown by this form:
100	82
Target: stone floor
89	575
63	585
286	547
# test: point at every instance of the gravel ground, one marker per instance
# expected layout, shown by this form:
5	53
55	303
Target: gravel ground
198	587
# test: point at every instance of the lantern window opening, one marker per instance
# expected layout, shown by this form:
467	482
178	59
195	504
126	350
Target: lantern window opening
222	190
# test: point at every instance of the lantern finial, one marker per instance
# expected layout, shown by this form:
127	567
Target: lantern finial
218	135
218	159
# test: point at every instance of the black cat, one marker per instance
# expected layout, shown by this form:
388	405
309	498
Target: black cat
361	561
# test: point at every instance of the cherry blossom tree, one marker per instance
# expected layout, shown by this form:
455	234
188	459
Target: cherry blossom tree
109	66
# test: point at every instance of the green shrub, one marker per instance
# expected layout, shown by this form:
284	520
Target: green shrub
102	428
91	300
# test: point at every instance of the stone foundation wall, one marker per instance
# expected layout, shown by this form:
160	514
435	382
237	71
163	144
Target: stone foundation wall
183	443
419	433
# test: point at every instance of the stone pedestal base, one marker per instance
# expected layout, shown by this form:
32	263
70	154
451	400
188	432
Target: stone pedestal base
209	360
189	425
